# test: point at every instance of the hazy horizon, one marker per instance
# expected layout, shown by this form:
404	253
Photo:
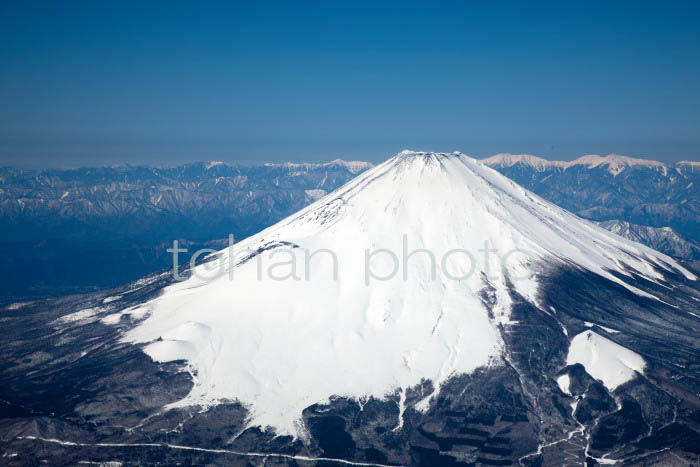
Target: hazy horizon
87	83
170	163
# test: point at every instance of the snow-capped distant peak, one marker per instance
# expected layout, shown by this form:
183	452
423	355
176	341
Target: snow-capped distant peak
292	316
214	164
509	160
693	165
614	162
353	167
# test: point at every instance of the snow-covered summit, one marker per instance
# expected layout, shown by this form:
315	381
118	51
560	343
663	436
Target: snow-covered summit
374	288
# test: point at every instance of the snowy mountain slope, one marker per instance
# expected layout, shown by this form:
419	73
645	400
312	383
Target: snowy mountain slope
295	336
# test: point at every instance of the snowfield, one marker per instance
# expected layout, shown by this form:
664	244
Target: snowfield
604	359
278	331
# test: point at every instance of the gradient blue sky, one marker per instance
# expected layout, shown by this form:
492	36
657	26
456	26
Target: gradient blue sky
93	83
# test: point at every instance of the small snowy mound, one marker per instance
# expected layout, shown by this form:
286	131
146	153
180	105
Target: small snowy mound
604	360
564	383
403	274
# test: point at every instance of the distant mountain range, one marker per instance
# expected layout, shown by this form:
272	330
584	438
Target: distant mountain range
638	191
66	231
197	201
664	239
613	163
123	218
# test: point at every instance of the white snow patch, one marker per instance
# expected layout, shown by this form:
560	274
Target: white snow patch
402	409
134	312
604	359
316	194
111	299
17	305
604	461
137	312
111	319
588	324
564	383
574	405
79	315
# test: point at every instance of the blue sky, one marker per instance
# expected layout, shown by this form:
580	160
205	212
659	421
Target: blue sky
93	83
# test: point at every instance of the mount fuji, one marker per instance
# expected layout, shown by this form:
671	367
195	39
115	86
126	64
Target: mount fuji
429	312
